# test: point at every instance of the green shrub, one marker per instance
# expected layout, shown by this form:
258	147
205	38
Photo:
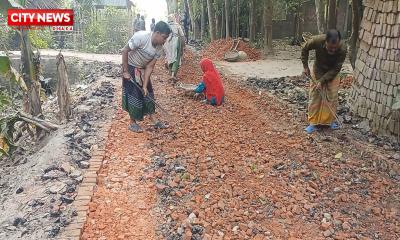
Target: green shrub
94	35
41	38
108	33
6	38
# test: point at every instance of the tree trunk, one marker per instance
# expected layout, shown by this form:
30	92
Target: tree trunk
357	16
197	30
192	20
320	11
332	14
268	12
233	20
223	22
252	24
29	75
217	20
298	26
259	19
203	21
217	25
63	97
175	6
195	23
32	103
227	19
346	20
211	19
172	6
237	24
169	7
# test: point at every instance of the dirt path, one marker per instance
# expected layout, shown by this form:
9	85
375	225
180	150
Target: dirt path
242	171
283	63
114	58
263	68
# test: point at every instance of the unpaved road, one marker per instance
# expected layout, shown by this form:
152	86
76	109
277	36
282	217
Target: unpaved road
245	170
263	68
81	55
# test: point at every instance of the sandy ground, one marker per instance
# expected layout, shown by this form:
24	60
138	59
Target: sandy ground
268	68
283	63
26	176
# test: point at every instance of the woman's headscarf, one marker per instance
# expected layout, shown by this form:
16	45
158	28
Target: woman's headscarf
212	80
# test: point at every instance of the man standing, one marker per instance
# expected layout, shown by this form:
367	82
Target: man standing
330	54
174	47
136	24
153	24
142	24
138	60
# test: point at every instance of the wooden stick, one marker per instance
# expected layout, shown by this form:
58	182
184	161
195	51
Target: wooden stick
39	121
35	123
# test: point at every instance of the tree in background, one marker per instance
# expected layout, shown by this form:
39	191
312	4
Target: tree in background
332	14
268	13
296	7
211	19
357	14
172	6
203	20
252	20
237	19
320	12
227	19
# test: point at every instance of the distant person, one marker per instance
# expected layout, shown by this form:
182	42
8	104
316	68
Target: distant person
211	85
138	60
153	24
330	54
174	47
136	24
142	24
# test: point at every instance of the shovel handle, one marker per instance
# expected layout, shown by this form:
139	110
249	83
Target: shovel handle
151	99
237	44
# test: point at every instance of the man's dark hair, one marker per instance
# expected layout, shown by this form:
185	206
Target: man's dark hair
333	36
138	15
162	27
